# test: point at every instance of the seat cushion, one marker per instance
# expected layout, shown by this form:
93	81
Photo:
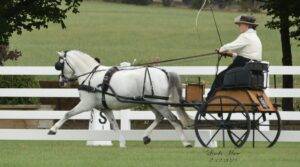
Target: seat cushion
251	76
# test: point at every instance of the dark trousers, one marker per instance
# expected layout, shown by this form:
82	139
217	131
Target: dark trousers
239	61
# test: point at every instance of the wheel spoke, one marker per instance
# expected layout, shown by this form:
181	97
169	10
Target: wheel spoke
263	135
235	135
223	131
223	136
213	117
208	120
244	115
234	108
239	138
243	135
259	118
213	137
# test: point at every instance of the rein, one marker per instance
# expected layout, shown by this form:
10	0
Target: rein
176	59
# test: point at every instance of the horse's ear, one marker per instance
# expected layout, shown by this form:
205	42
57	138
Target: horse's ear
97	60
61	54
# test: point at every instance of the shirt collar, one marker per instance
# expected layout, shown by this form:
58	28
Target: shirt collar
250	30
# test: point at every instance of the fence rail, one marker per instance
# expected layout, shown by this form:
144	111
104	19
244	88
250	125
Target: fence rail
181	70
66	93
125	116
131	135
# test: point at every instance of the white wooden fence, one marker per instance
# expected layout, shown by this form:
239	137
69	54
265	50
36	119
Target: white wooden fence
125	116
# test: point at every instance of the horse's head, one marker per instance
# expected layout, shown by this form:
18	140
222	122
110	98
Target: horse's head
67	71
73	65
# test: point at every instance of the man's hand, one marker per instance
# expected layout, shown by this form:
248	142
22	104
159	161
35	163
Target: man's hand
226	53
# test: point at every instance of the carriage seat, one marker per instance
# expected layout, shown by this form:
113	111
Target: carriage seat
252	76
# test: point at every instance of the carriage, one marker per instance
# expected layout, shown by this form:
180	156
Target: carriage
237	111
241	108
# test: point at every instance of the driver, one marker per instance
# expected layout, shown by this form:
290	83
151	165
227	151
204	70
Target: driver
245	48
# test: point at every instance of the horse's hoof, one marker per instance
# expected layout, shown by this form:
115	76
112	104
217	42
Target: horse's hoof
188	146
146	140
122	145
51	132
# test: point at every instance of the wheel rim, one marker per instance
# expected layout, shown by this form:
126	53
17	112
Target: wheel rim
239	131
216	115
261	122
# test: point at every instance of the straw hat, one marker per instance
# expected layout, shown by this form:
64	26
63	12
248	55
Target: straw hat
245	19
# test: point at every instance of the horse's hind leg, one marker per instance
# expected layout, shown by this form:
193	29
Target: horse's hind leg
164	110
158	119
110	116
184	117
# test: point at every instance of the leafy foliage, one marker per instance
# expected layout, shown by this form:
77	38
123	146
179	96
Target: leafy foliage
167	2
196	3
283	8
136	2
19	15
5	54
8	81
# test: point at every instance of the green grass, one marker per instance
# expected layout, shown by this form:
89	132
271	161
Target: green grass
117	32
158	154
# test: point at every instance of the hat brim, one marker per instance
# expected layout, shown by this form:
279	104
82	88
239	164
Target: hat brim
245	22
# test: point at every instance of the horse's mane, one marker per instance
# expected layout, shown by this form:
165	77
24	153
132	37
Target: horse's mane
85	58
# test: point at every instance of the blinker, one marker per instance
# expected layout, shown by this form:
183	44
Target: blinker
59	65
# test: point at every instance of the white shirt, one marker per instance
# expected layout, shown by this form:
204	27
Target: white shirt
247	45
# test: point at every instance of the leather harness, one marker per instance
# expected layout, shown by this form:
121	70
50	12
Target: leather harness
105	86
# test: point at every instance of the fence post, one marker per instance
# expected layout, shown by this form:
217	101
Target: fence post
125	120
94	124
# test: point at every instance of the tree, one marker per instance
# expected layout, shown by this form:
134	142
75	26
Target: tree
285	16
5	54
19	15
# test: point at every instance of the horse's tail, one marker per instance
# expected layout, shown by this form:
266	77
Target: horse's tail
175	92
175	87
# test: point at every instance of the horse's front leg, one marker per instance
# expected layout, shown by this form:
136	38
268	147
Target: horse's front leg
82	106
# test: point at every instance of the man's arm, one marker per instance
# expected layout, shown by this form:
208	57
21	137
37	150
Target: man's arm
239	43
226	53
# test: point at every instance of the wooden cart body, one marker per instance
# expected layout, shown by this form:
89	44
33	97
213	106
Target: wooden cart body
253	100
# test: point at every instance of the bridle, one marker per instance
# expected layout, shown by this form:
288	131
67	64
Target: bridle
60	64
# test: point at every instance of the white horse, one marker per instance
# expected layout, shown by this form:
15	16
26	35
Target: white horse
76	65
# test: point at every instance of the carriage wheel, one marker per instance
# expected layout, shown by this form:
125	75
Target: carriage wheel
218	115
264	122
